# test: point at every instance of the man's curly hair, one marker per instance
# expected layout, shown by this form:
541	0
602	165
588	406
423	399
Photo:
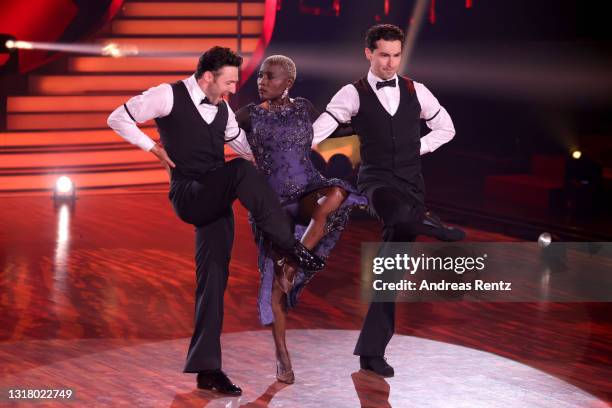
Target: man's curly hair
387	32
216	58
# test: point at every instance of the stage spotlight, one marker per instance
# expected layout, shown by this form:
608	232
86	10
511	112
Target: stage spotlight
111	50
23	45
554	257
7	43
576	154
64	188
544	239
116	51
9	67
11	45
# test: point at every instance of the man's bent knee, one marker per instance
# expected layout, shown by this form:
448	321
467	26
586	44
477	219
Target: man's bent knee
401	214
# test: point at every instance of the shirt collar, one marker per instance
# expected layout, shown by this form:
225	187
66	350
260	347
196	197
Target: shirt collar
195	92
373	79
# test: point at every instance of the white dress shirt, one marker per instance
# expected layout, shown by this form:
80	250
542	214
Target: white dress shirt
157	102
345	104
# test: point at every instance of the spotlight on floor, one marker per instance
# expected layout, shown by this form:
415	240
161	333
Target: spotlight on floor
576	154
64	189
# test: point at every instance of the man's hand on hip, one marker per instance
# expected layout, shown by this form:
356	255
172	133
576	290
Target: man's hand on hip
163	157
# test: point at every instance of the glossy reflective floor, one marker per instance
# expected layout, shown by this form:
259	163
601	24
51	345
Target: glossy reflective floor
428	374
99	298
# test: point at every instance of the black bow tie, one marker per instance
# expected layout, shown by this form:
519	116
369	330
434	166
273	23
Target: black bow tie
382	84
207	101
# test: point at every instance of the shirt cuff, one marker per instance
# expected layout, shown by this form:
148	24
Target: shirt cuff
424	147
146	144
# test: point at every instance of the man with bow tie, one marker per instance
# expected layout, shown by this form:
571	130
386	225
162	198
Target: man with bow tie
386	110
194	123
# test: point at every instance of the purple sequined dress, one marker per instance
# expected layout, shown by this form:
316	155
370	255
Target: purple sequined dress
280	140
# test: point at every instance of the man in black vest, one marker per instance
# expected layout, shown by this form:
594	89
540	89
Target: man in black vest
194	123
386	110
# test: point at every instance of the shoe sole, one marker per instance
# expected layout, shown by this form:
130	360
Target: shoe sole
212	388
286	381
377	373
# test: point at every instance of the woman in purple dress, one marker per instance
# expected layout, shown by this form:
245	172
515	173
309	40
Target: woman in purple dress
279	132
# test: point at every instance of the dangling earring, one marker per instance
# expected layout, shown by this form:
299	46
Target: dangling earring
285	93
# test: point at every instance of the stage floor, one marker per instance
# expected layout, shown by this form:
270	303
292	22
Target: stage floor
99	299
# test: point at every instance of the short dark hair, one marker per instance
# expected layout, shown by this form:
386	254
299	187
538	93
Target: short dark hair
216	58
387	32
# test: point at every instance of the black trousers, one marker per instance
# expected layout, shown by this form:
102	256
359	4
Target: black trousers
207	204
401	209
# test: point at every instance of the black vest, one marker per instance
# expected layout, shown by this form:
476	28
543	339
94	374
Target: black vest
193	145
390	145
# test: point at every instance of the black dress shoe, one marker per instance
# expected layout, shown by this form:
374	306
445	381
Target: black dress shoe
305	258
440	230
378	365
218	381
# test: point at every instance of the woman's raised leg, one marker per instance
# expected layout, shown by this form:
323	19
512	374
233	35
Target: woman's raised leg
317	206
